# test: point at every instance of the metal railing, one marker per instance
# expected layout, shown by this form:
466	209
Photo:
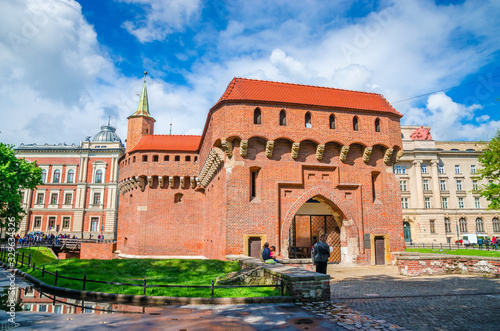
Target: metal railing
19	259
450	246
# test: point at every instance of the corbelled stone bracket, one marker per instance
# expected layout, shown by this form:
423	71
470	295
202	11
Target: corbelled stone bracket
160	181
343	153
295	150
399	155
150	181
319	151
243	147
387	156
171	181
193	182
269	148
228	148
366	154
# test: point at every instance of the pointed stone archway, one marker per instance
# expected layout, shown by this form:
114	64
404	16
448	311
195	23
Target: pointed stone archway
339	224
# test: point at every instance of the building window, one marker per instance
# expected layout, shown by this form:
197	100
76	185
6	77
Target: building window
67	198
71	176
432	224
442	184
94	224
57	176
66	221
39	199
377	125
133	159
144	158
444	202
459	185
400	169
472	169
177	158
461	203
178	198
479	225
166	158
426	185
308	121
496	225
441	169
257	116
282	117
52	223
474	185
97	199
44	176
254	175
463	225
155	158
424	168
332	122
195	159
374	186
402	185
53	199
457	169
98	176
404	203
447	225
427	202
355	124
42	308
477	203
58	309
188	158
37	222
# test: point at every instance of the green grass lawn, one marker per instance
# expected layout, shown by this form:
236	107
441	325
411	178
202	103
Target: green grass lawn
467	252
165	272
39	255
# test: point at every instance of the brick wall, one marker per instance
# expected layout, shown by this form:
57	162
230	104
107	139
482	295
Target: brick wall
98	251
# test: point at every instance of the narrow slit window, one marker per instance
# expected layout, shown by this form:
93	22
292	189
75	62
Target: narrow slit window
377	125
282	118
308	120
332	122
355	124
257	116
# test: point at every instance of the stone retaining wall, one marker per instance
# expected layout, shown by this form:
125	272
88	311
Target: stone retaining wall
98	251
420	264
301	284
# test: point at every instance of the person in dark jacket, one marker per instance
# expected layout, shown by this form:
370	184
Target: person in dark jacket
320	255
266	252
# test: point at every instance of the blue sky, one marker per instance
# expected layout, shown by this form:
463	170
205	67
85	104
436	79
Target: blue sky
67	65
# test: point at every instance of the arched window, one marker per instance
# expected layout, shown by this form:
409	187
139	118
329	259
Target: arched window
282	118
71	176
332	122
463	225
98	176
178	198
44	176
57	176
496	225
377	125
355	124
133	159
479	225
308	121
257	116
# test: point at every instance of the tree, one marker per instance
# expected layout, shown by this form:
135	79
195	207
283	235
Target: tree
490	162
15	175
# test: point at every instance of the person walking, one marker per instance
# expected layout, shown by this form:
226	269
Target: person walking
320	254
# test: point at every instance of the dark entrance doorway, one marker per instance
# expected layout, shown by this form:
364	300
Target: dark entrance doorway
379	251
254	247
407	231
305	232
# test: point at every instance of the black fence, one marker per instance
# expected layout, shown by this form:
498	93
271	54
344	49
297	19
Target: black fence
18	259
450	246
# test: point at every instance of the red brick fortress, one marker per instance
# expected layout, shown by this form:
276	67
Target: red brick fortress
276	162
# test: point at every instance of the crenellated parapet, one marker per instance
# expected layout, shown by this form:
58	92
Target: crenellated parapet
140	182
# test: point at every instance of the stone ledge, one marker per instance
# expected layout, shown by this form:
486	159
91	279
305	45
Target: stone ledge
139	300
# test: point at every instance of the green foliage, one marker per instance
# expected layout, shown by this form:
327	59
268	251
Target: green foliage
134	271
466	252
15	175
4	301
39	255
490	170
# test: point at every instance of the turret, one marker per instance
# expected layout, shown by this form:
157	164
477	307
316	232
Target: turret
140	122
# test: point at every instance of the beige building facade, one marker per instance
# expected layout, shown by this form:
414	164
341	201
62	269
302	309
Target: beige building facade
440	189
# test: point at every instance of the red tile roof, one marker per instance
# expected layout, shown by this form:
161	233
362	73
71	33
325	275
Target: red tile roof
243	89
167	143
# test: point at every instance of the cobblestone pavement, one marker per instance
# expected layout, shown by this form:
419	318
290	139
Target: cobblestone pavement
452	302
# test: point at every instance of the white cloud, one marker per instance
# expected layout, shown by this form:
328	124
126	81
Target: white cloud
446	119
162	17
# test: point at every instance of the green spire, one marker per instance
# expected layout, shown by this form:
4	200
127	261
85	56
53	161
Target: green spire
143	107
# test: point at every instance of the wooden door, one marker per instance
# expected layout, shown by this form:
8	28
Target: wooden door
379	251
254	246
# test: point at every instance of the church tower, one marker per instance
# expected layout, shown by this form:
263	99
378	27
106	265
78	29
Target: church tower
140	122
